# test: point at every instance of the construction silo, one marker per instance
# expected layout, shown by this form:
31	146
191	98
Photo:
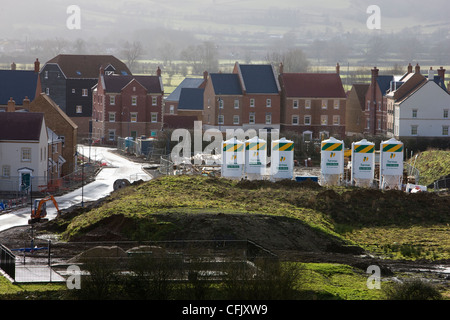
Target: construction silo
233	158
332	161
282	159
391	164
255	158
363	163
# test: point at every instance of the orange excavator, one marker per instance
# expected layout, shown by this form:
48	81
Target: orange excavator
39	212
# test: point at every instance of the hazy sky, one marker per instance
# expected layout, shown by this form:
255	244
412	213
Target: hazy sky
47	18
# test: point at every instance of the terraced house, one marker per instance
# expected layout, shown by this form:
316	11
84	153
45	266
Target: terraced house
127	106
247	98
313	104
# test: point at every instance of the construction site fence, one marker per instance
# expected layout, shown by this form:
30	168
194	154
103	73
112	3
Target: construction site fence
7	261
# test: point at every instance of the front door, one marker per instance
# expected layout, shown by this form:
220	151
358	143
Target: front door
25	181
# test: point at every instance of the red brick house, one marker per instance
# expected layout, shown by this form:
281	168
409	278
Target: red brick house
127	106
313	104
247	98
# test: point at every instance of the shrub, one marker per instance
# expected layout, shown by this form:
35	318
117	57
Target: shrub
412	290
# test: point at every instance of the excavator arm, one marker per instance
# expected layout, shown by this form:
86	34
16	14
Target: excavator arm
39	213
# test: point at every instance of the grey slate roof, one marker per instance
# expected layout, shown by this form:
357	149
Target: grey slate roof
191	99
226	84
186	83
17	84
259	78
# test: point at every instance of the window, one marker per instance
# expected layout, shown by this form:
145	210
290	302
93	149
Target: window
154	117
308	104
133	116
84	92
368	105
46	75
445	130
445	113
112	100
336	104
324	104
172	109
295	104
336	120
26	154
295	120
154	101
133	101
6	171
252	103
268	103
414	113
74	91
112	117
47	91
251	119
235	119
307	136
79	109
236	104
111	135
220	119
221	104
379	124
307	120
414	130
323	120
379	105
268	118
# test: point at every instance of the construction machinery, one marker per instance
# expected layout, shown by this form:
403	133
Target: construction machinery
39	212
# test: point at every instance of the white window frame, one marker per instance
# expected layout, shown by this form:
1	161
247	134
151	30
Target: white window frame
445	114
252	103
236	119
295	104
252	118
112	100
268	118
414	130
221	119
337	104
322	118
236	103
112	117
308	104
414	113
133	117
112	134
25	154
154	118
309	120
338	122
295	120
134	100
268	103
6	171
445	130
324	104
154	101
79	109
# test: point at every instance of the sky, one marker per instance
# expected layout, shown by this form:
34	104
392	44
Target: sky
48	18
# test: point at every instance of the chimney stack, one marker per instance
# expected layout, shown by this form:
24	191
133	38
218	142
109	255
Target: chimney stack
431	74
417	68
338	68
26	103
13	66
11	105
410	68
37	66
441	73
158	72
205	75
281	68
374	75
102	71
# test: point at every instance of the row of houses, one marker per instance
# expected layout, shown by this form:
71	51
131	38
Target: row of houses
97	97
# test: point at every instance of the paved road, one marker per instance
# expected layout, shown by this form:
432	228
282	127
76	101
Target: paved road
118	168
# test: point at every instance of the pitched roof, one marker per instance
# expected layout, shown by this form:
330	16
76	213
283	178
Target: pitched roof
361	90
226	83
22	126
384	83
312	85
43	100
17	84
115	83
258	78
88	66
191	99
186	83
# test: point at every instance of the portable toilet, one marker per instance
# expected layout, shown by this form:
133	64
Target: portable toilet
282	159
332	161
391	164
255	158
233	161
363	163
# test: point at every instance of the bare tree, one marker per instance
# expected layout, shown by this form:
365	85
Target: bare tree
294	60
132	52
